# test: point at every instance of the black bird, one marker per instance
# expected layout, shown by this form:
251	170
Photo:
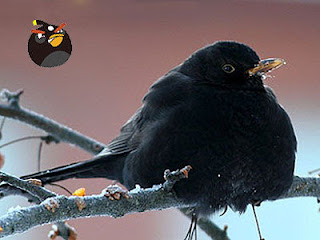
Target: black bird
212	112
49	45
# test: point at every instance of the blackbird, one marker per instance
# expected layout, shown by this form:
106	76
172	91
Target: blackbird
212	112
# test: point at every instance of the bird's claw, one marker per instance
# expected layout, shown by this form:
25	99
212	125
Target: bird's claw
115	192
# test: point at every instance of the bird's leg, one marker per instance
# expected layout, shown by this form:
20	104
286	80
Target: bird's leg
192	232
115	192
254	204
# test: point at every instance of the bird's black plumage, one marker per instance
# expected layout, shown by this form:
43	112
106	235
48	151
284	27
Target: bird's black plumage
210	113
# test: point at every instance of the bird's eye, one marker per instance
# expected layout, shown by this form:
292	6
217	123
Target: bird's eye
228	68
50	28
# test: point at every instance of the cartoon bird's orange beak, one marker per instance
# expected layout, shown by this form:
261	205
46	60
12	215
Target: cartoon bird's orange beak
55	40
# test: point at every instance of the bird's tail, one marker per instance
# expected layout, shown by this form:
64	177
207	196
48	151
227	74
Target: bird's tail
103	166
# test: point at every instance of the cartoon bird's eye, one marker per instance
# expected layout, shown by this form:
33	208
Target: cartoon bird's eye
228	68
40	38
50	28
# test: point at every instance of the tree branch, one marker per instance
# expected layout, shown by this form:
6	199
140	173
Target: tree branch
32	190
37	192
65	134
61	208
303	187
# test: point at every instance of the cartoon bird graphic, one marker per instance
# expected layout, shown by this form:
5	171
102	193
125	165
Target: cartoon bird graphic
49	45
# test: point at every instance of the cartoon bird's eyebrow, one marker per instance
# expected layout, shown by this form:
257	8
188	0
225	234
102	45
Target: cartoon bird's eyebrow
59	28
38	31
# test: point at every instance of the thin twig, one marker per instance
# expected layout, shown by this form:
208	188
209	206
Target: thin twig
2	123
15	111
1	126
19	140
314	171
39	156
39	192
60	186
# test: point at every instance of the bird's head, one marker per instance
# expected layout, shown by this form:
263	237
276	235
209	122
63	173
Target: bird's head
231	65
48	34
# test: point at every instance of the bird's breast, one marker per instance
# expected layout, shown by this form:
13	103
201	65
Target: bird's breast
232	142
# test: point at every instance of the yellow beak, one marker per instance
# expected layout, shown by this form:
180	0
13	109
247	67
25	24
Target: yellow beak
55	40
266	65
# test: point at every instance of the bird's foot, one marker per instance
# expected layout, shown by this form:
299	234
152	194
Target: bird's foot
256	203
115	192
192	232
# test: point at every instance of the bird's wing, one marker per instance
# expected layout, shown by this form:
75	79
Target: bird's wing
129	137
161	96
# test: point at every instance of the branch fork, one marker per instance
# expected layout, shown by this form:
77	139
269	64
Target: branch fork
13	98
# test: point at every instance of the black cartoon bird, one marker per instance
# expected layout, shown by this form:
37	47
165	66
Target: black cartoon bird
49	45
212	112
